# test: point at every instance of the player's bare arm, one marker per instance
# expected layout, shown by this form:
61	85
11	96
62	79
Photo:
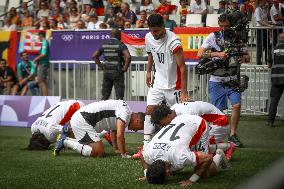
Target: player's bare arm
201	169
149	69
113	136
145	167
180	62
120	136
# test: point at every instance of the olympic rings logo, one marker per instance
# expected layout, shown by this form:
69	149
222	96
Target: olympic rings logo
67	37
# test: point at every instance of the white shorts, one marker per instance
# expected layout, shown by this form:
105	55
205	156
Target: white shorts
156	96
50	131
84	132
218	133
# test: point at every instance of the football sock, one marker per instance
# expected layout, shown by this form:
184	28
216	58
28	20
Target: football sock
84	150
222	146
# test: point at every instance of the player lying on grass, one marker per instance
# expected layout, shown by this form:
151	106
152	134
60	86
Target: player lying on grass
217	121
47	127
182	142
92	119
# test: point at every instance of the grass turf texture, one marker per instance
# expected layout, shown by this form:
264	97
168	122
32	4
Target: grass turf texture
39	169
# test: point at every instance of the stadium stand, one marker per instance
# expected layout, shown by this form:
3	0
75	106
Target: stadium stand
212	20
193	20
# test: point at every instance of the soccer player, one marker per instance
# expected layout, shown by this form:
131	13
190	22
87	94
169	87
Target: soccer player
217	120
96	117
183	142
169	80
47	127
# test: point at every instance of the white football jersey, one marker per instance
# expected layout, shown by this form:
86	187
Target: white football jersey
59	114
176	142
166	72
204	109
102	115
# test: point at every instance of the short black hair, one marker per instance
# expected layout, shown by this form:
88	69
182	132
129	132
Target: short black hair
160	112
156	172
116	33
38	142
42	33
24	52
155	20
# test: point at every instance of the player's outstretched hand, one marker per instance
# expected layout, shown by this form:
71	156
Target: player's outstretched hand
186	183
142	178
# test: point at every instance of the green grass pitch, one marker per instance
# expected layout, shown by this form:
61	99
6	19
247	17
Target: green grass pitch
20	168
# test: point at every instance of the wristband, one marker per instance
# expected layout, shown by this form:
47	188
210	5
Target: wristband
194	178
145	172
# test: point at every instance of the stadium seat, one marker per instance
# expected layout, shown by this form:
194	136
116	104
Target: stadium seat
101	18
193	20
212	20
176	18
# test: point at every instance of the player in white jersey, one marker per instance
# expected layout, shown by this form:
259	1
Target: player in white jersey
183	142
169	80
217	121
96	117
47	127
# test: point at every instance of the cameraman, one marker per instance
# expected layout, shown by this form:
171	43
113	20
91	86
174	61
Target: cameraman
214	47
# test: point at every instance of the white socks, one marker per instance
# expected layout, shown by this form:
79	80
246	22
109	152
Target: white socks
222	146
84	150
217	159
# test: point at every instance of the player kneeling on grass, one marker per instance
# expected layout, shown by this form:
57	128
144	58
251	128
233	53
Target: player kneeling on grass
217	122
51	123
183	142
96	117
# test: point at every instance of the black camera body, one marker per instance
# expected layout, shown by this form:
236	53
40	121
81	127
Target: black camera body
235	39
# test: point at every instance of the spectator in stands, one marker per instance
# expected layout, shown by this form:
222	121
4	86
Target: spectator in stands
27	21
118	22
142	22
55	6
80	25
88	9
247	9
165	7
14	17
199	7
127	25
234	6
53	24
93	22
127	14
44	24
26	73
171	24
99	7
42	63
134	6
148	6
183	10
277	80
263	42
23	9
43	11
7	78
33	87
277	20
110	17
103	25
117	60
116	4
222	7
74	17
9	26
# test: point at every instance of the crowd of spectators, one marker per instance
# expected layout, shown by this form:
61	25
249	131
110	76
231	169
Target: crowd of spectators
101	14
